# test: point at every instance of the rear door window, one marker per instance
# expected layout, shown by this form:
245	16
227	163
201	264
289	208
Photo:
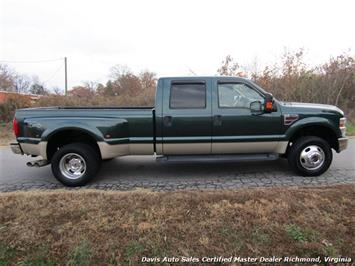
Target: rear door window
188	96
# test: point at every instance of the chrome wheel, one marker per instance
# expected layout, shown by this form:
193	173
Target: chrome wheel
312	157
72	166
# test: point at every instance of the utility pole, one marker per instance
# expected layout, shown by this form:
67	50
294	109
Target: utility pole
66	75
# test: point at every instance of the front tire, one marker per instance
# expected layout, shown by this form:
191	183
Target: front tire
310	156
75	164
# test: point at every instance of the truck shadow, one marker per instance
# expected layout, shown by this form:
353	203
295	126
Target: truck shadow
141	167
132	172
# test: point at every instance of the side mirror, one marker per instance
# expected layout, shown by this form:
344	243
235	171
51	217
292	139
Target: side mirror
256	108
269	103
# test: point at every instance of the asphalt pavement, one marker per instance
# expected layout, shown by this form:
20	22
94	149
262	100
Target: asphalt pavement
132	172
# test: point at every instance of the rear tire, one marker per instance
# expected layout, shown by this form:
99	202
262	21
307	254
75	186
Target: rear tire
75	164
310	156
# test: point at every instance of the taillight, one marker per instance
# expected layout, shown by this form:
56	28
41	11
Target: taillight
15	127
342	122
342	125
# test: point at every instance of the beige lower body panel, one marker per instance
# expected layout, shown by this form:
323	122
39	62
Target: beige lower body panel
186	148
343	143
39	149
224	148
110	151
159	148
250	147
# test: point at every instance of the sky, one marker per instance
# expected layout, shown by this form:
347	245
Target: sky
168	37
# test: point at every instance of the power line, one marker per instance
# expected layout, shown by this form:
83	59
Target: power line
65	76
44	61
54	73
30	61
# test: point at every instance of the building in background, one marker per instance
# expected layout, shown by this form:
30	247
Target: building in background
6	95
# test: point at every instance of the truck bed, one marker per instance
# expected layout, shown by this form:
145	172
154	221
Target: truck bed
112	125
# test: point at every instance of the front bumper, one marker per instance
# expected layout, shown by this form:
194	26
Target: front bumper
16	148
343	143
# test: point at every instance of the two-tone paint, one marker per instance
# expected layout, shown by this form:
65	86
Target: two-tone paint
161	130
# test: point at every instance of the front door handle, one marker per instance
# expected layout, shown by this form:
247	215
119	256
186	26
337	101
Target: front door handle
217	120
168	120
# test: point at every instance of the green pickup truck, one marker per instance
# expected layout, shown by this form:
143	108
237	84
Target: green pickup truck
194	119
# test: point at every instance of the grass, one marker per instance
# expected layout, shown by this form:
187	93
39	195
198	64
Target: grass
350	129
131	250
91	227
295	232
80	255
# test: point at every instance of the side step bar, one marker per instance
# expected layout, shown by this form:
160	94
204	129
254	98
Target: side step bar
218	158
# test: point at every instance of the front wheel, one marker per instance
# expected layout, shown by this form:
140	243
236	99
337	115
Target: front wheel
310	156
75	164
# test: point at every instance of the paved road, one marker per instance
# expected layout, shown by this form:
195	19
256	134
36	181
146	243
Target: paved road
132	172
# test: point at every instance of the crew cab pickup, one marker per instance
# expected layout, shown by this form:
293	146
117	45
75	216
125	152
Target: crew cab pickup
194	118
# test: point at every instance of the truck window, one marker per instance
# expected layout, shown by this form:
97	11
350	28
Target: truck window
237	95
188	96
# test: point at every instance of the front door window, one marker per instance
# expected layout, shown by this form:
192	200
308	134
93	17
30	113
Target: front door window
236	96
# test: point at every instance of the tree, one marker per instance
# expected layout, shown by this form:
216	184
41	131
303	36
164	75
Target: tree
57	91
22	83
81	91
339	77
91	85
119	70
124	81
100	88
7	78
148	80
106	90
37	87
230	68
128	84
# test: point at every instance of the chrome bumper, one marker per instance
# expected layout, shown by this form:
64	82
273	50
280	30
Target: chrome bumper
16	148
343	144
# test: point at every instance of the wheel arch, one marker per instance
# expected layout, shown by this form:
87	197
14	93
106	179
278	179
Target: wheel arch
318	130
65	136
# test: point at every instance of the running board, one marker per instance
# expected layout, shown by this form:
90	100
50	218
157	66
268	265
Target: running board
218	158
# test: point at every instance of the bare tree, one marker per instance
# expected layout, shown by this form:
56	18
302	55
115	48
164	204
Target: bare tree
231	68
148	80
22	83
7	78
91	85
81	91
57	91
119	70
37	87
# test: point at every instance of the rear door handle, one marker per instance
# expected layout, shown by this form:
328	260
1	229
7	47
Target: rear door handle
168	120
217	120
